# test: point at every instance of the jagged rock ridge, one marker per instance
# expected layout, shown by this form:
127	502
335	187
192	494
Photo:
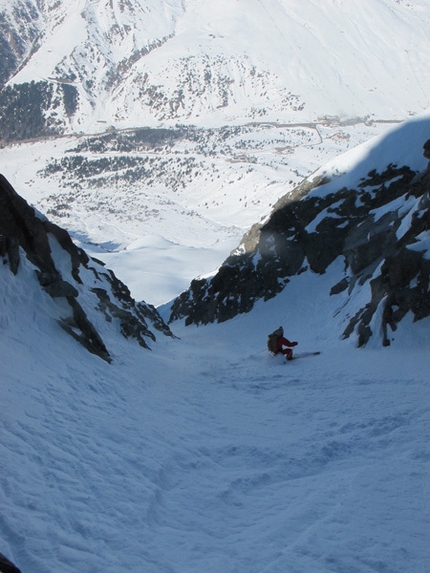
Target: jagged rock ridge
7	566
22	230
20	28
379	228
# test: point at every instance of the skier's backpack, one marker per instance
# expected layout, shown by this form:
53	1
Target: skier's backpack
272	345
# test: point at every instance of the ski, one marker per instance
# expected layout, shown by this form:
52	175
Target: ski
304	354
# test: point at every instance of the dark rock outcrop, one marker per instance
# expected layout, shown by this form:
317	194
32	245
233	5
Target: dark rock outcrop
376	227
7	566
19	34
22	229
426	153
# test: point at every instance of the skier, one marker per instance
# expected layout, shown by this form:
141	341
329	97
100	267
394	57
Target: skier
277	341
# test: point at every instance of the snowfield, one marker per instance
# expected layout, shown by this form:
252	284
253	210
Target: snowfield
158	237
208	454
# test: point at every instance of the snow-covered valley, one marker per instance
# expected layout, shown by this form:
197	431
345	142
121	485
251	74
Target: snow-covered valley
175	127
182	203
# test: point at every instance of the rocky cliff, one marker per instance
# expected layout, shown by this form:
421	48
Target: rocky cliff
379	228
67	274
7	566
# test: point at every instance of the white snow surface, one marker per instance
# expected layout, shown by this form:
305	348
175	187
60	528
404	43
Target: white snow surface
358	68
211	63
207	453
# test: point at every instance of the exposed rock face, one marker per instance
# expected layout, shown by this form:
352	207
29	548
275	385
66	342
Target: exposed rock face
19	32
427	151
7	566
21	230
377	228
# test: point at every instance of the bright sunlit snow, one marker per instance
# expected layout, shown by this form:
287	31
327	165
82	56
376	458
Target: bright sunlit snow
206	454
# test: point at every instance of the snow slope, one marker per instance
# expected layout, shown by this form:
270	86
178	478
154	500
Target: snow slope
207	454
353	65
184	230
277	60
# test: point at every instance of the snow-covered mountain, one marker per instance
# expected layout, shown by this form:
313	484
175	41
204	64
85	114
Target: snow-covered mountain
84	66
156	134
369	219
242	99
86	298
208	454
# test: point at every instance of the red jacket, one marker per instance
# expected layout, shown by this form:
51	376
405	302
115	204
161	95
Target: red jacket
281	341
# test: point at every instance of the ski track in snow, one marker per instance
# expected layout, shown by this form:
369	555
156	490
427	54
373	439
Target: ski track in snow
207	455
234	462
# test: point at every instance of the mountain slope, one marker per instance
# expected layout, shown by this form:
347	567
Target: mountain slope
98	64
207	454
84	295
330	77
375	219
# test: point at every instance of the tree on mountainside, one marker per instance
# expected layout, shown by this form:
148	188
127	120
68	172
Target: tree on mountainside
28	110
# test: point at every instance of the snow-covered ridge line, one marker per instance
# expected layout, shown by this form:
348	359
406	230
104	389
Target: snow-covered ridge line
320	60
374	218
84	293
